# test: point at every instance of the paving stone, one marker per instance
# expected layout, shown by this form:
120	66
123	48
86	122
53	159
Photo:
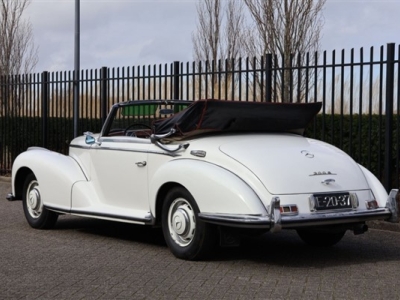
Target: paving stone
94	259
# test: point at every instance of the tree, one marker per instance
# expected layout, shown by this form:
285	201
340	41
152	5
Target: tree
18	53
218	35
206	40
285	27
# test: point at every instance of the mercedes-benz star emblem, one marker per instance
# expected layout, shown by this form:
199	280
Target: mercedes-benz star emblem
307	154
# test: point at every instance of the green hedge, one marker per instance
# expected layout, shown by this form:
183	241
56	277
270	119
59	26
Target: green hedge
367	148
18	133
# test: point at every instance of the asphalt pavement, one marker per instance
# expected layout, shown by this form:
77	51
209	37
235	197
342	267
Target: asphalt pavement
93	259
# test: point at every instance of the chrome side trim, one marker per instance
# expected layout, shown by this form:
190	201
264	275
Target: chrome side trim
127	150
121	149
79	147
147	220
125	140
236	220
37	148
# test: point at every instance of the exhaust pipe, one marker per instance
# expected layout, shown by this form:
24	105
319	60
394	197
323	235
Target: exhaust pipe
360	229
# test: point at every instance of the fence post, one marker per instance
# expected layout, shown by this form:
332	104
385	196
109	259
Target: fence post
176	80
268	77
103	94
45	103
389	115
3	113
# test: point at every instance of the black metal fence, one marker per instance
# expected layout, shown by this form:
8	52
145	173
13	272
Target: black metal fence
359	91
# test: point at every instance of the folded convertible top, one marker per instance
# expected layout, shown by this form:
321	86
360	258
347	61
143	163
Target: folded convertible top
206	116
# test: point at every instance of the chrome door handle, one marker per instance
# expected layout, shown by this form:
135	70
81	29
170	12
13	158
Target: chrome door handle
141	163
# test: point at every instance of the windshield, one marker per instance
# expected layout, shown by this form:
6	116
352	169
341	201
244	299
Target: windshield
135	118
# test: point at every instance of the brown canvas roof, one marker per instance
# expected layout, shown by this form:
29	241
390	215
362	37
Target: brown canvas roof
234	116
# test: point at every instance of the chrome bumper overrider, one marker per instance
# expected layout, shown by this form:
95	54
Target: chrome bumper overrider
393	204
275	221
10	197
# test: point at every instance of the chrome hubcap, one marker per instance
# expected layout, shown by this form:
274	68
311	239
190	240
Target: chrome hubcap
34	201
181	222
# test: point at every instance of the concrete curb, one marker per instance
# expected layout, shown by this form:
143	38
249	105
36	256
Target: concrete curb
5	179
382	225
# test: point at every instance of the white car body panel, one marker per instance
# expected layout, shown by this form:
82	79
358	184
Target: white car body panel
203	180
299	161
60	171
117	185
376	187
160	168
115	175
106	186
239	178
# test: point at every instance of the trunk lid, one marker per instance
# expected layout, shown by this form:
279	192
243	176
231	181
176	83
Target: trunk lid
290	164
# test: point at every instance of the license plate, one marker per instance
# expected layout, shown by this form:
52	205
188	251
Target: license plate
332	201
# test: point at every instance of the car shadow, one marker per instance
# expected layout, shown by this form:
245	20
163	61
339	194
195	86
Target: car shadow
283	249
286	248
110	229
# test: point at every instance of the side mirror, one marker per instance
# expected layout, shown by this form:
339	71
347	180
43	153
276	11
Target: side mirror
89	138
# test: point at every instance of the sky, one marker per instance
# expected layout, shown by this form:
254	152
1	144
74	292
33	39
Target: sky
122	33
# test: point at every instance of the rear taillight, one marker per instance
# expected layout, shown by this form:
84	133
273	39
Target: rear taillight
290	209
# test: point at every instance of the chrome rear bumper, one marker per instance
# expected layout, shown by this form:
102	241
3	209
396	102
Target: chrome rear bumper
275	221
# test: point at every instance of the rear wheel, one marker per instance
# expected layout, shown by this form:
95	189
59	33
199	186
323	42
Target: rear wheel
320	238
36	215
185	234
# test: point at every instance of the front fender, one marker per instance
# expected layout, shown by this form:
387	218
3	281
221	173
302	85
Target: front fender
56	174
215	189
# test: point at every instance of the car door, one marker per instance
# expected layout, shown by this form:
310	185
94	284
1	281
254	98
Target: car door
119	175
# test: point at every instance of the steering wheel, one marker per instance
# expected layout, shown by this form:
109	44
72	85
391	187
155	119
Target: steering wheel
135	125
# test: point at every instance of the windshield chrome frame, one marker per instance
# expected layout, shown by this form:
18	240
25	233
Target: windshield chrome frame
115	107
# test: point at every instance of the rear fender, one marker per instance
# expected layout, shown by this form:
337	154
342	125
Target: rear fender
215	189
376	187
56	174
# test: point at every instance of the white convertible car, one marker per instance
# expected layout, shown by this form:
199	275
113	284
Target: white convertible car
209	171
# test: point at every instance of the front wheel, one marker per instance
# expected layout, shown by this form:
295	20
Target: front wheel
186	236
320	238
36	215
